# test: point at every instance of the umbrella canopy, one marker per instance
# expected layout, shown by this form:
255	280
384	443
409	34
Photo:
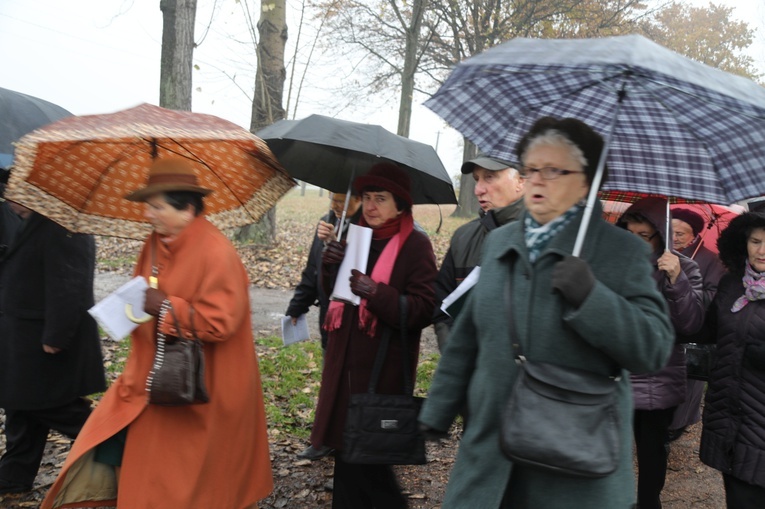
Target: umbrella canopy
673	127
330	153
77	171
716	219
21	114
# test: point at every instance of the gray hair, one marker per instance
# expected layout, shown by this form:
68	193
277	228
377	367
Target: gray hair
558	139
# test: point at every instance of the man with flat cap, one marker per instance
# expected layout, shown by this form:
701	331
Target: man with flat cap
499	189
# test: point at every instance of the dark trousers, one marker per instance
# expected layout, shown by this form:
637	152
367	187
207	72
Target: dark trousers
366	487
26	433
742	495
651	428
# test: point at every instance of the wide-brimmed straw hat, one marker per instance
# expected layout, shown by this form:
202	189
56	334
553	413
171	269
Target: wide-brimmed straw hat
169	174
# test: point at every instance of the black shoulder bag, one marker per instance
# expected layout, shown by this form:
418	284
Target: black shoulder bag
562	420
382	429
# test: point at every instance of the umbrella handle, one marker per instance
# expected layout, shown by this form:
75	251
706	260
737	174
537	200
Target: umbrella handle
135	319
153	283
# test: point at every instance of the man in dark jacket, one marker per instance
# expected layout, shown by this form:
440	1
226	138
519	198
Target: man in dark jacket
309	291
686	227
50	353
499	189
658	393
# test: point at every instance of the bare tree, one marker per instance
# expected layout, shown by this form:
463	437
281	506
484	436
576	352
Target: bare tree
270	76
267	103
178	18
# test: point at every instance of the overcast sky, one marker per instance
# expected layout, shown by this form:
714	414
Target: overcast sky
99	56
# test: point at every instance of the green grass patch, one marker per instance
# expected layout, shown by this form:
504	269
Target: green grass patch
291	377
426	368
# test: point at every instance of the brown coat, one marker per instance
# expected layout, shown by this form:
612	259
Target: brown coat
200	456
350	353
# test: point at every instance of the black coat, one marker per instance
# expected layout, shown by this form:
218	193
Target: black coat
733	436
46	289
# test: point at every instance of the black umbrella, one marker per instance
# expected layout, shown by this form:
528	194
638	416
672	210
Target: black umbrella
330	153
21	114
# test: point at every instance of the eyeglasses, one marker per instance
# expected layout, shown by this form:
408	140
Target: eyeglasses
547	173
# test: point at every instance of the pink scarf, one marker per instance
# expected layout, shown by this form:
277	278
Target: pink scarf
380	273
754	288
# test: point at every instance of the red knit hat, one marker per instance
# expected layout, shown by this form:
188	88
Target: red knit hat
389	177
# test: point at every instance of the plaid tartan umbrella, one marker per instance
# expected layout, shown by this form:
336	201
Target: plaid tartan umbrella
683	129
77	170
673	127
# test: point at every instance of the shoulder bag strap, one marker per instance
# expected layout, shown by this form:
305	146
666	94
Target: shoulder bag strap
382	351
408	385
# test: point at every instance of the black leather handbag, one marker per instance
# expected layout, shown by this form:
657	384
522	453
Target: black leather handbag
560	419
382	429
177	376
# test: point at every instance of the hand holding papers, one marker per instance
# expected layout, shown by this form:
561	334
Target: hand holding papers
455	300
356	255
294	333
110	312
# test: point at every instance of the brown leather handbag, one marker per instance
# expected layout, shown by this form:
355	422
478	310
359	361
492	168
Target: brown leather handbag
177	376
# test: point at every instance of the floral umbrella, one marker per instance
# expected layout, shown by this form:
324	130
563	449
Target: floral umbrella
76	171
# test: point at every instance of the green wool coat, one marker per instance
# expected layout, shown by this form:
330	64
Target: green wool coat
622	324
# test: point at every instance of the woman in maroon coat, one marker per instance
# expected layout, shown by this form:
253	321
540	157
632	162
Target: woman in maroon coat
401	262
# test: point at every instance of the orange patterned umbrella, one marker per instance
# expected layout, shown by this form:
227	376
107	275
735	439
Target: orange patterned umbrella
76	171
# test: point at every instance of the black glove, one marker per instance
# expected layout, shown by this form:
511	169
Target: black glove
433	434
154	300
573	278
362	285
333	254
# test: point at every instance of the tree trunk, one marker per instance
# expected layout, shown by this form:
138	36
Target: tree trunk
269	80
410	68
468	203
177	53
267	104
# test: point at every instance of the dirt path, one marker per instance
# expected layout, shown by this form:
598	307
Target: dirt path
301	484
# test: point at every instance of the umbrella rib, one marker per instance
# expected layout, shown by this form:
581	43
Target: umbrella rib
196	158
102	176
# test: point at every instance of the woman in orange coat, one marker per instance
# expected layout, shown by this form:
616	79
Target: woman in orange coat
212	455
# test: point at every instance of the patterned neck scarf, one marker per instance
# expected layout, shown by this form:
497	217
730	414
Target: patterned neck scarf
754	288
539	235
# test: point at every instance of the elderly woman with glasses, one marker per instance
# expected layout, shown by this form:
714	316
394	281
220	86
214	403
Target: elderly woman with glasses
600	312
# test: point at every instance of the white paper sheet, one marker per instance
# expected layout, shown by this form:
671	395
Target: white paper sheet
356	256
294	333
110	312
453	302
